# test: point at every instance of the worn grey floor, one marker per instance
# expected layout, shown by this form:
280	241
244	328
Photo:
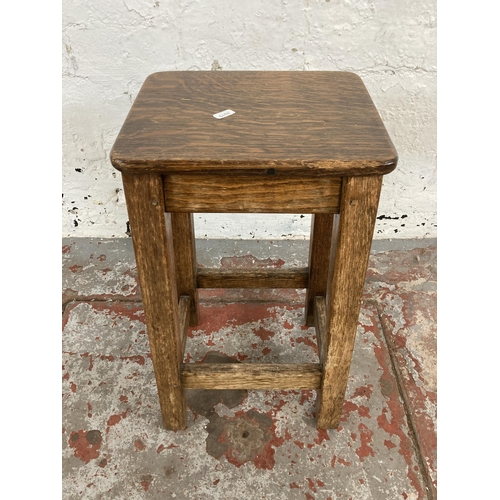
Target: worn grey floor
248	444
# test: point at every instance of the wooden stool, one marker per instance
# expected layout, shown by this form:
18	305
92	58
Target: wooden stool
298	142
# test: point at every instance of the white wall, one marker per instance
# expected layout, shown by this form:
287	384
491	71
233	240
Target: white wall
110	47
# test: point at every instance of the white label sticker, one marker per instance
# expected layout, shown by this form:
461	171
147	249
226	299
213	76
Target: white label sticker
223	114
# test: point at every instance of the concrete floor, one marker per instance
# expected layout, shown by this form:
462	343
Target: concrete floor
248	444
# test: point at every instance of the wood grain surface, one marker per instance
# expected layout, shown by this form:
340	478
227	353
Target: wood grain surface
185	260
258	193
251	376
320	323
252	278
306	121
152	238
310	142
184	303
319	261
350	252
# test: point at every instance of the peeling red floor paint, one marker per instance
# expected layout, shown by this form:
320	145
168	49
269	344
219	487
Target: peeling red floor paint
91	362
139	445
300	444
146	481
308	341
365	435
340	460
411	278
130	310
114	419
364	391
277	407
85	444
311	484
230	315
304	442
263	334
349	407
213	317
306	396
246	437
322	436
392	427
420	391
389	444
136	359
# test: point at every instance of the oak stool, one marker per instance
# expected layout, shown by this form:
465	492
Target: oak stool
263	142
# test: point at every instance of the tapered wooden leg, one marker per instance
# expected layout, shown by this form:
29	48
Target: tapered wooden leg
154	253
319	260
358	211
185	260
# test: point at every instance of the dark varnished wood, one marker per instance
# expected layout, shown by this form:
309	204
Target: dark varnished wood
251	376
318	121
349	261
299	142
258	193
252	278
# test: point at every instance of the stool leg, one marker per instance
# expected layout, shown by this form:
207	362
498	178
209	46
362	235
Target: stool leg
185	260
319	260
151	234
358	211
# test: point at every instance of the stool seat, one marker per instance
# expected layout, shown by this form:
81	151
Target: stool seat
291	142
294	122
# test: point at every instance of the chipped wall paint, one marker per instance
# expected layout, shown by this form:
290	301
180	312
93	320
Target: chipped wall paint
109	48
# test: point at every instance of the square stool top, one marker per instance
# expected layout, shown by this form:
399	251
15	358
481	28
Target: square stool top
291	121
